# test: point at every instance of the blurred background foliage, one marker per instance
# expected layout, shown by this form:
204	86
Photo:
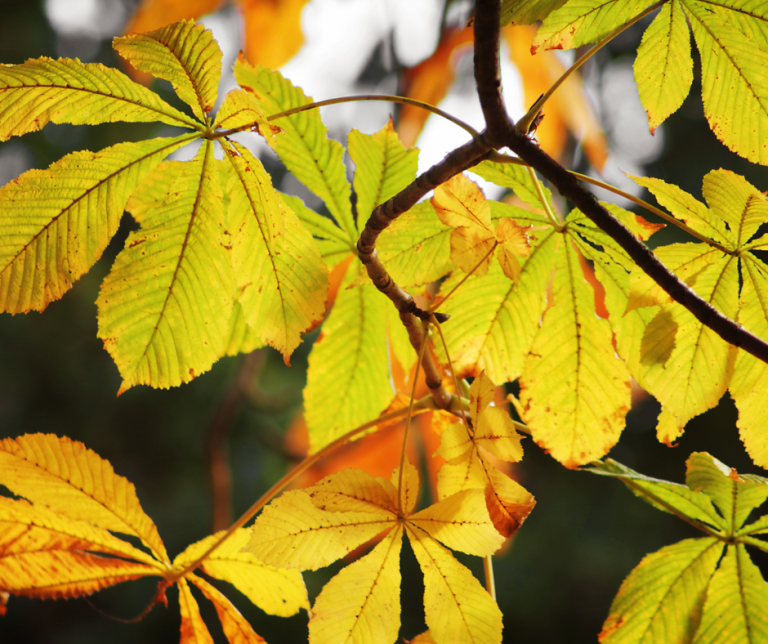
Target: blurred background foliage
556	580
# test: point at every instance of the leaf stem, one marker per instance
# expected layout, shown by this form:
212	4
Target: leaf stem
437	305
424	330
389	98
464	415
559	225
490	581
423	404
524	124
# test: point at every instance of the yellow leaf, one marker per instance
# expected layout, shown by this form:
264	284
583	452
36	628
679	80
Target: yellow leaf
272	30
184	54
283	280
737	202
275	591
457	608
44	554
351	490
574	390
292	533
193	628
241	337
461	522
57	222
240	108
508	502
362	602
235	626
68	91
454	442
152	192
513	243
409	490
496	432
461	204
164	309
63	475
463	473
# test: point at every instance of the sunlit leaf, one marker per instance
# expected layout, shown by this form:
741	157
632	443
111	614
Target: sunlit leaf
662	598
239	109
736	601
272	30
526	12
153	14
184	54
57	222
74	481
68	91
193	628
164	309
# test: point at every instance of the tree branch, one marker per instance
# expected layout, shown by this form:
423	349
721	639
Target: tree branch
503	134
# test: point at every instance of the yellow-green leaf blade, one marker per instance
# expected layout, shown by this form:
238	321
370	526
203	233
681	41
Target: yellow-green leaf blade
662	598
292	532
68	91
164	309
362	602
461	522
515	178
580	22
457	608
734	84
57	222
304	146
574	389
275	591
526	12
184	54
383	167
736	601
239	109
277	266
664	67
737	202
76	482
348	381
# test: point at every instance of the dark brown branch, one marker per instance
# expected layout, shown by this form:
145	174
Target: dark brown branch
504	134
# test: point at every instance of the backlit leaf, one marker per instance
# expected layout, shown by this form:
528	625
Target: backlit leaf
457	608
74	481
153	14
275	591
515	177
68	91
662	598
240	108
57	222
526	12
331	241
664	67
348	381
736	600
272	30
164	309
362	602
304	146
278	268
193	628
184	54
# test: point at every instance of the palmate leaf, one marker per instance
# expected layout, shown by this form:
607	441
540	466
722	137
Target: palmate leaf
348	377
184	54
310	528
166	329
68	91
304	146
57	222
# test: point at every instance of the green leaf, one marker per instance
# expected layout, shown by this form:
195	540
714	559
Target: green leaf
348	380
383	167
241	338
580	22
67	91
735	496
331	241
57	222
278	269
663	495
184	54
304	146
164	309
664	67
574	391
734	84
526	12
494	320
662	598
515	178
736	601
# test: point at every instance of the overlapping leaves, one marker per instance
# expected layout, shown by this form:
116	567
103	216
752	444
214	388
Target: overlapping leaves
311	528
690	592
57	540
732	38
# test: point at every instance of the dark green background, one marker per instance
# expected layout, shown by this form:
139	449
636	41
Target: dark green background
556	582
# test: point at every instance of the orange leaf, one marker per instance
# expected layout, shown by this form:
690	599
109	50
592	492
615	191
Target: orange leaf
235	626
567	110
272	30
153	14
430	80
193	628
